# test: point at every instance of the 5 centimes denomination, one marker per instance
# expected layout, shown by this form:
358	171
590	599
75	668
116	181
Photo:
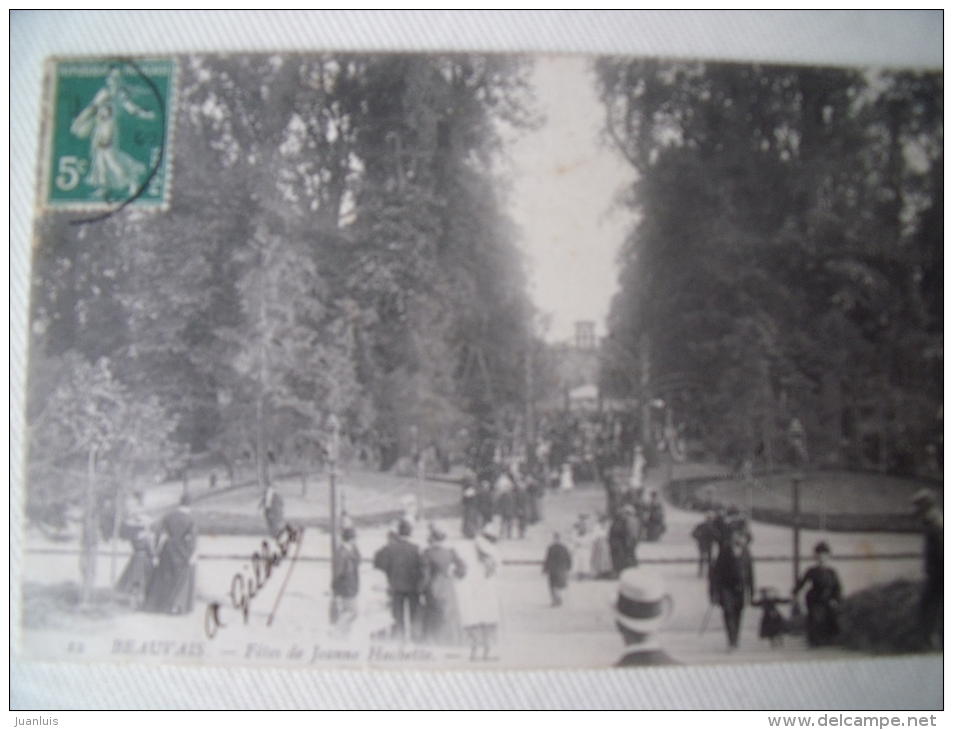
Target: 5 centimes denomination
109	131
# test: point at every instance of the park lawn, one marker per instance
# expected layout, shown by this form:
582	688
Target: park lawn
369	497
835	492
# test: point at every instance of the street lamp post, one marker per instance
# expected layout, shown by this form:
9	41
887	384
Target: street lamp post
417	467
333	427
797	436
796	484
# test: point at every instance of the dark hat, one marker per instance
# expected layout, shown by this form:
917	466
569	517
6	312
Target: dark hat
822	547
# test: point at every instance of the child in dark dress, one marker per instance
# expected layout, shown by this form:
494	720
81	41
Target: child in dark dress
773	625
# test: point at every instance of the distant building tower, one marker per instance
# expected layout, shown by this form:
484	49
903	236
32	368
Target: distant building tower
586	335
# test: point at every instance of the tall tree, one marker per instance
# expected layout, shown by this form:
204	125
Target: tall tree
774	256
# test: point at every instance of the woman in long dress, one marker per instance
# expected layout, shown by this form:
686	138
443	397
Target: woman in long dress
566	481
823	598
441	567
135	576
601	559
171	588
638	469
478	594
582	541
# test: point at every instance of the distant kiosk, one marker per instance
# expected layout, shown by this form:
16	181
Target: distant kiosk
584	398
586	335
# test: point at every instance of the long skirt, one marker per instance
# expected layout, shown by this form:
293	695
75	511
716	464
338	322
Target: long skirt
601	558
136	575
822	624
442	615
171	588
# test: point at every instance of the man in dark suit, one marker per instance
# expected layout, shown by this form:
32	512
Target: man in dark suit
400	561
729	584
624	535
556	566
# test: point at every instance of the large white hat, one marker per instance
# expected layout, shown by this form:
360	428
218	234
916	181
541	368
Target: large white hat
643	604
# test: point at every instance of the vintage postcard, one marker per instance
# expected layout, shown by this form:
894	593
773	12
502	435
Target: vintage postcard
476	361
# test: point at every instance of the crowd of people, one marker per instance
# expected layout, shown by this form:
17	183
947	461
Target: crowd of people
514	496
445	592
724	539
442	594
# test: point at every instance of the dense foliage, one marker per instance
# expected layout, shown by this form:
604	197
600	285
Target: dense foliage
787	263
334	245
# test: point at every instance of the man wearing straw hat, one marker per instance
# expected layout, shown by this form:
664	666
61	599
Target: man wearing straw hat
642	606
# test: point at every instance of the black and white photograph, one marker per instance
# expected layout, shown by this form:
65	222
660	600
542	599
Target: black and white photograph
483	361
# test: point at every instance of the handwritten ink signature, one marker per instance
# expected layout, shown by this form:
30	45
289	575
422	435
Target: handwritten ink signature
248	582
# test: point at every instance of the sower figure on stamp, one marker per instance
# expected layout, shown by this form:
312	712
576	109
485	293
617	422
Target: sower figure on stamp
110	167
400	561
346	582
556	566
171	587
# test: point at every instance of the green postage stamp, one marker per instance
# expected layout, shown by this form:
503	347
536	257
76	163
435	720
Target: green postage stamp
109	134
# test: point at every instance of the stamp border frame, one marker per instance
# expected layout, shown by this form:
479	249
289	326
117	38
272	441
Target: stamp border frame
47	122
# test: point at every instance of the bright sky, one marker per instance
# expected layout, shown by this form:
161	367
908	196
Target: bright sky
565	186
